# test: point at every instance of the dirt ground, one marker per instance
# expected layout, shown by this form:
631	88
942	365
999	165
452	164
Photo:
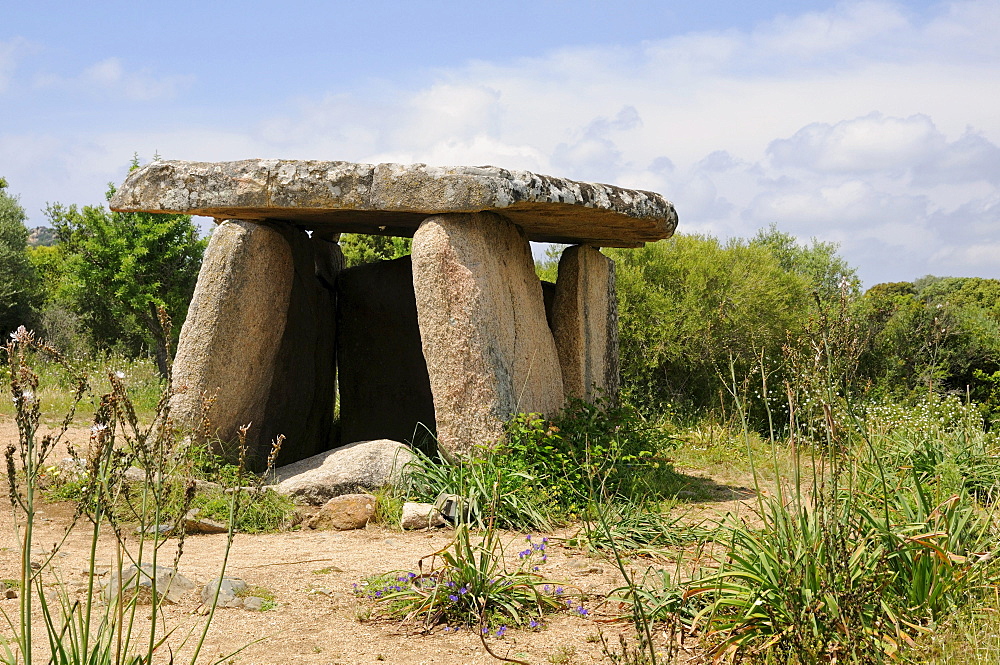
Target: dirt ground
317	619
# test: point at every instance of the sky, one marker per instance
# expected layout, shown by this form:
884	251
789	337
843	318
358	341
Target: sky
875	125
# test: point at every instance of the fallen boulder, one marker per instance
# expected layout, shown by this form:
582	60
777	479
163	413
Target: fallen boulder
365	465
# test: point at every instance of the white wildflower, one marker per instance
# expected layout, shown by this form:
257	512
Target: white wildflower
19	334
98	427
120	374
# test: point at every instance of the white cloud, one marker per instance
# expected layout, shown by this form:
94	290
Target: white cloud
861	145
894	146
111	76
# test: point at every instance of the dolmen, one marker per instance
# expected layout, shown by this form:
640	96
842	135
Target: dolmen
448	342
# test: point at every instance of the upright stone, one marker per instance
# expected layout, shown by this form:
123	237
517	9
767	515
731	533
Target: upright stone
489	351
384	389
585	324
233	330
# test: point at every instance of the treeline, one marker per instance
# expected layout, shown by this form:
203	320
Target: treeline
704	323
101	284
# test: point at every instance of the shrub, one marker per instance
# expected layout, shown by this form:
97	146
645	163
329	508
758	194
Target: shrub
538	476
469	585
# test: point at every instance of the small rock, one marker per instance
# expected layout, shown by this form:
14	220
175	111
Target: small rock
421	516
584	568
156	530
194	524
10	593
170	585
345	512
74	468
135	474
301	515
230	592
253	603
206	485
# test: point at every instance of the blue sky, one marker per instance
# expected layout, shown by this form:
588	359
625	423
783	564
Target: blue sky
872	124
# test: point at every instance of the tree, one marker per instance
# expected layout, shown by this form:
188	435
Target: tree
828	273
688	305
18	281
936	334
120	268
361	248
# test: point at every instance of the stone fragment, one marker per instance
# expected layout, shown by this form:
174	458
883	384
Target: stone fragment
345	512
233	331
585	324
231	592
194	523
489	350
171	586
385	392
365	465
421	516
253	603
394	198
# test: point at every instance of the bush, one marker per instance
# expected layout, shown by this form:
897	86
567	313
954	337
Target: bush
469	585
689	305
543	473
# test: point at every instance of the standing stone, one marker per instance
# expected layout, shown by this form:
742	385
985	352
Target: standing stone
302	396
234	330
489	351
385	392
585	324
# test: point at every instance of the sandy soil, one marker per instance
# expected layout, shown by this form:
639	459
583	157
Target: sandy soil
318	619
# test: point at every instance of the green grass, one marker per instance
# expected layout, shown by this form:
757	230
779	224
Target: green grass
879	549
55	389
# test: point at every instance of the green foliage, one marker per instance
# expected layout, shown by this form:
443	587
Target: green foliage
939	334
537	476
826	272
490	491
548	268
468	584
637	530
18	279
263	511
119	269
587	440
361	248
885	536
689	304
